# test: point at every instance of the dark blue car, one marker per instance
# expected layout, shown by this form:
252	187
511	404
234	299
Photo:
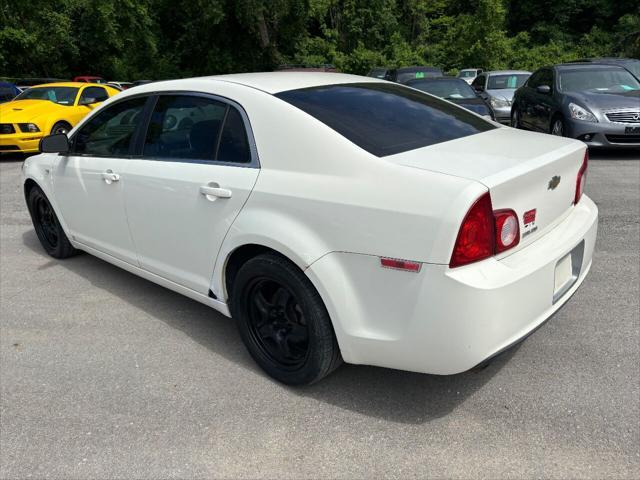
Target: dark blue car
8	91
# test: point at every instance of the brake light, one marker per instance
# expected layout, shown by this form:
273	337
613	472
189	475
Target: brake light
507	230
476	237
581	180
484	233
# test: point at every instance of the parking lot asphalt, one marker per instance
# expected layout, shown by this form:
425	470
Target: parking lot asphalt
105	375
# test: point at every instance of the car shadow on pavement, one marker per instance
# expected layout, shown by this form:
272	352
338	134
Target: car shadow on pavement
393	395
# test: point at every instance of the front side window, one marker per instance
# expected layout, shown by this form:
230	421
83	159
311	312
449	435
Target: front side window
93	95
534	80
386	119
60	95
109	133
185	127
514	80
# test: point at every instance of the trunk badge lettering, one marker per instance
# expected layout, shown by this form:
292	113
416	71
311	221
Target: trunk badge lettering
529	216
554	182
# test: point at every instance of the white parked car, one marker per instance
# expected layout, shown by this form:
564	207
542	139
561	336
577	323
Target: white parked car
333	216
469	74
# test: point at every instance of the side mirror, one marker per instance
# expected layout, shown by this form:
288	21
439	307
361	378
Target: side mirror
478	88
88	101
58	143
545	89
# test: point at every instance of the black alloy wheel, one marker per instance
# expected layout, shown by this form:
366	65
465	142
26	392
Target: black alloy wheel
47	226
282	320
277	323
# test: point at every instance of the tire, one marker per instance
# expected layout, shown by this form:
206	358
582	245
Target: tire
60	127
515	118
557	127
283	321
47	225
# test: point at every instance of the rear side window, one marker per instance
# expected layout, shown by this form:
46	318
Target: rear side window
386	119
185	127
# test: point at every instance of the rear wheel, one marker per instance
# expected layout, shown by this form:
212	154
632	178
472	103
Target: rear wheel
47	226
557	127
283	321
60	127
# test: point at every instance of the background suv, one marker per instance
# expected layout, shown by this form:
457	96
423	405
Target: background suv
497	89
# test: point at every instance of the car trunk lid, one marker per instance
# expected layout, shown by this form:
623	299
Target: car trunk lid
532	174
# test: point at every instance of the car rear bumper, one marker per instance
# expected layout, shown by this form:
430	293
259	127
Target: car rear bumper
20	142
604	134
443	320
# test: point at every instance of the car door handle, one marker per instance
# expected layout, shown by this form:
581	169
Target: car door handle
109	177
214	190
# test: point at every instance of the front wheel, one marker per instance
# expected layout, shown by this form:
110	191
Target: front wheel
515	118
283	321
60	127
557	127
47	225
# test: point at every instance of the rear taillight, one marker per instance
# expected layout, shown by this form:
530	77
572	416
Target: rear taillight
484	233
507	230
581	180
476	236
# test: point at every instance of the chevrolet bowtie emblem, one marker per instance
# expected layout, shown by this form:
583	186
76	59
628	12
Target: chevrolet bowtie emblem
554	182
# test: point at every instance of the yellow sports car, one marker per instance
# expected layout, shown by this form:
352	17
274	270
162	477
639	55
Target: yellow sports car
45	109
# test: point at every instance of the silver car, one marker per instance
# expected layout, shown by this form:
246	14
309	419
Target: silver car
497	88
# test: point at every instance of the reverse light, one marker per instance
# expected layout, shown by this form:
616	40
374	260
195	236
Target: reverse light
581	179
485	233
397	264
28	127
579	113
507	230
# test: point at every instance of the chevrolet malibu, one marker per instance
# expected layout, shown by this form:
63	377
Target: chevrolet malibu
335	217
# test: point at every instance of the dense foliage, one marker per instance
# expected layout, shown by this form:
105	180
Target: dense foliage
129	39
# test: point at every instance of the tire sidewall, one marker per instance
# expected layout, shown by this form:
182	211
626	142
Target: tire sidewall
320	331
58	250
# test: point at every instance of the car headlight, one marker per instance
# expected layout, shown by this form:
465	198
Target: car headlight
499	102
28	127
579	113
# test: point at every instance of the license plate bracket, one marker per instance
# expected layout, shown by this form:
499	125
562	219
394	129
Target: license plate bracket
567	271
632	130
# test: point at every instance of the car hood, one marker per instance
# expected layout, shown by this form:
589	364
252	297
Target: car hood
503	93
22	111
606	101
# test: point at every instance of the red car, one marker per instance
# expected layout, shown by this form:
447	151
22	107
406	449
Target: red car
89	79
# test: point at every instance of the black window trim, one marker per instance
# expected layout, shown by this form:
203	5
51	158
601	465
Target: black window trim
137	144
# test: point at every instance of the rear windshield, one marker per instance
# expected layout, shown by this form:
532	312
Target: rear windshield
385	119
404	76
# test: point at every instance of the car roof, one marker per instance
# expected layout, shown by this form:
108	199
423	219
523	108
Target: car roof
434	79
585	65
276	82
68	84
506	72
425	68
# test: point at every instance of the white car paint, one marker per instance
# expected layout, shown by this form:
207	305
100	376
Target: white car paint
334	209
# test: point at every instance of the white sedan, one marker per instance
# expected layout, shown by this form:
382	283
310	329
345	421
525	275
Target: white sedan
335	217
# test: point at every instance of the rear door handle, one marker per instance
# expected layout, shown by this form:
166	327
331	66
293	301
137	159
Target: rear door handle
110	177
213	191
